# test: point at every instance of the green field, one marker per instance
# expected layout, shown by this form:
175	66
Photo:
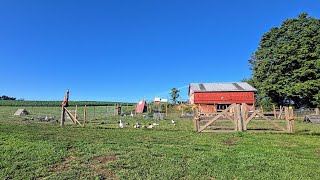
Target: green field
30	149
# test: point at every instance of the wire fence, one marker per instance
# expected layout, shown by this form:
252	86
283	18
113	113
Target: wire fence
53	113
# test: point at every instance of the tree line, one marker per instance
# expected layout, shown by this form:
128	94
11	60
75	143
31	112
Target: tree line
7	98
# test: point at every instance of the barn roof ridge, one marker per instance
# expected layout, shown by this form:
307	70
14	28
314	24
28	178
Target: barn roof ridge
221	86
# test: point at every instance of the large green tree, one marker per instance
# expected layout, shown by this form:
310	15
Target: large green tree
286	65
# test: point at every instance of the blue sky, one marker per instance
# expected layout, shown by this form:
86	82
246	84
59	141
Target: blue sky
117	50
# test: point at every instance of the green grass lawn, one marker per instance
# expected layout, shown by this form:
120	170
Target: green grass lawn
37	150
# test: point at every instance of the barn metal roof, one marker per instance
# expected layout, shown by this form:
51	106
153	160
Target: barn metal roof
210	87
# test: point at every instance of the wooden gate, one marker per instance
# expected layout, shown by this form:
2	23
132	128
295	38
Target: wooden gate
205	122
248	113
240	115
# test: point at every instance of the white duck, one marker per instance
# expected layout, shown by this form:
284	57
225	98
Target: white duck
121	125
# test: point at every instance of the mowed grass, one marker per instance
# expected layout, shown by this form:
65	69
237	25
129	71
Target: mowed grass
101	150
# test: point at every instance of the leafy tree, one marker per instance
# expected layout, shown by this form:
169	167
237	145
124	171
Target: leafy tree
261	99
174	95
7	98
286	65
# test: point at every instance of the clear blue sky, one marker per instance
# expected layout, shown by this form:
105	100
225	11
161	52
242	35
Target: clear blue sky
118	50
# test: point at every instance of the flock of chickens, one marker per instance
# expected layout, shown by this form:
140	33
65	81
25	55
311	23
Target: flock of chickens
138	125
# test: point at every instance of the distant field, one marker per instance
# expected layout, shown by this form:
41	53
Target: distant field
57	103
93	112
30	149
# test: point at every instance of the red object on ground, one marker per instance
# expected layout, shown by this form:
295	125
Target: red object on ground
141	106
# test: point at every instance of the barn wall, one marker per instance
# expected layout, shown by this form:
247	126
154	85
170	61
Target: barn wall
191	99
223	97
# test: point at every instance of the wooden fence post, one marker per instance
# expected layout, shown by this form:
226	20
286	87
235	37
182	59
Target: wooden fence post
63	111
291	119
280	112
166	110
239	118
317	111
84	115
196	120
244	116
196	124
233	109
288	112
274	112
75	111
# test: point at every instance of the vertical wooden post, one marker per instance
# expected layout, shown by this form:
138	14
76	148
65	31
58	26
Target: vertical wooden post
244	116
261	108
196	120
84	115
286	114
291	115
235	118
317	111
280	112
291	119
63	111
274	112
166	110
195	124
65	103
181	109
75	112
239	118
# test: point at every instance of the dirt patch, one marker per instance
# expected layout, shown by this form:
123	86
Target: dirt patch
231	141
64	165
97	164
104	159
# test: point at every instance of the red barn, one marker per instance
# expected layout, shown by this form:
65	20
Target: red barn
221	94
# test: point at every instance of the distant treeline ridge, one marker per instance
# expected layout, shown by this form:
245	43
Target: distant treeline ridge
7	98
58	103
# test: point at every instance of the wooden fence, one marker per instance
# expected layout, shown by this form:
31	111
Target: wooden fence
240	115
